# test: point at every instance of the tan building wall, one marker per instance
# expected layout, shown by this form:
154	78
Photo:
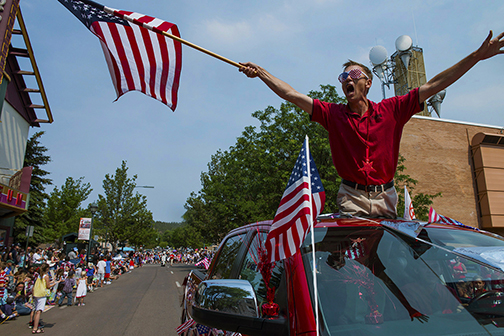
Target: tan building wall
438	155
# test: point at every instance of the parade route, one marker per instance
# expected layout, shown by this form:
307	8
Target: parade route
143	302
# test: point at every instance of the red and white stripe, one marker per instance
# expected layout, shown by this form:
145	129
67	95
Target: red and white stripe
205	262
185	326
291	221
433	216
141	59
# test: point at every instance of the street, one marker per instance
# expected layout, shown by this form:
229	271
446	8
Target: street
143	302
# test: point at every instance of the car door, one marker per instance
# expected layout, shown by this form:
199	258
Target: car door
222	268
249	271
228	257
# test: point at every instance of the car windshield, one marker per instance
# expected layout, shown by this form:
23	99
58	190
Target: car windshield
379	281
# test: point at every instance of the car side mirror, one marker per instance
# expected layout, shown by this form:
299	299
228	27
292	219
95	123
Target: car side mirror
227	296
231	305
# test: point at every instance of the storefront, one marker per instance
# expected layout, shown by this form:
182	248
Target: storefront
17	115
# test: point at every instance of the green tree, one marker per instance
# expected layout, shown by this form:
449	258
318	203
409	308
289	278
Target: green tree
140	230
165	226
122	214
34	157
64	210
183	236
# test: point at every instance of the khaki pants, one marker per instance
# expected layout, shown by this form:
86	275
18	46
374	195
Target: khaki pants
359	203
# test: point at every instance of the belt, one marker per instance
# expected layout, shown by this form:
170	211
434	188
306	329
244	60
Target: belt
369	188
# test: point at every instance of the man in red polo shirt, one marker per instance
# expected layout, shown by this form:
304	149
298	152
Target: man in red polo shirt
365	136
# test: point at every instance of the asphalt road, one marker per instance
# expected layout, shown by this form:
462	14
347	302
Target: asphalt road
143	302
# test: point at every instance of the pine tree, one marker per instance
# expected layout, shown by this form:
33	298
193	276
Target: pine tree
122	213
35	157
64	209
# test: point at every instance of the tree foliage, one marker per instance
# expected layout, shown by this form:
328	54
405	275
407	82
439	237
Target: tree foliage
63	211
183	236
122	214
34	157
166	226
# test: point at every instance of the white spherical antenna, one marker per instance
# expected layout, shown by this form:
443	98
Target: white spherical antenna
378	55
403	43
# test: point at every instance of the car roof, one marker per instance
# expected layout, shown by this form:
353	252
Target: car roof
333	220
256	225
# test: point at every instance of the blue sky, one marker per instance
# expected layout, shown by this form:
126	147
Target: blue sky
301	42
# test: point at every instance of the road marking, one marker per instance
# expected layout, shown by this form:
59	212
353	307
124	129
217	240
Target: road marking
178	284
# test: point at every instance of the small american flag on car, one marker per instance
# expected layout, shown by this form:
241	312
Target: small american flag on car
204	262
301	203
435	217
185	326
202	329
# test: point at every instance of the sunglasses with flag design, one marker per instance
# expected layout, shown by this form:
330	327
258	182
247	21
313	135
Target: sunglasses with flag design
354	74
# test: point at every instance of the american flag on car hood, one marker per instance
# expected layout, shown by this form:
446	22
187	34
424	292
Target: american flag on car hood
302	201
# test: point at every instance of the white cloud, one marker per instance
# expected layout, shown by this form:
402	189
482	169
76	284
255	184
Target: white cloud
272	24
252	33
228	32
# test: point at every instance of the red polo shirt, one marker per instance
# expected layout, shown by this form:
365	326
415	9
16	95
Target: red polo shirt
385	121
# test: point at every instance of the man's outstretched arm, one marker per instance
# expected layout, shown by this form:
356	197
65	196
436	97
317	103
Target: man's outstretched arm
489	48
281	88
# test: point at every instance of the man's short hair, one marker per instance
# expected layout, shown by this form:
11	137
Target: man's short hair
363	67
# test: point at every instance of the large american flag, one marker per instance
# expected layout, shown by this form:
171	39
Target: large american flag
138	57
295	213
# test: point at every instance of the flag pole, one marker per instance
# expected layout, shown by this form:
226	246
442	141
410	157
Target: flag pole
312	229
176	38
194	46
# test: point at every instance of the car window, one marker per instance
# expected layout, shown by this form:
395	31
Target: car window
453	239
391	284
250	272
227	256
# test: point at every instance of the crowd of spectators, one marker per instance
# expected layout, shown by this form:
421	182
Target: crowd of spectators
189	256
34	281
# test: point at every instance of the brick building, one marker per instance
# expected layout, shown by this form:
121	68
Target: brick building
446	156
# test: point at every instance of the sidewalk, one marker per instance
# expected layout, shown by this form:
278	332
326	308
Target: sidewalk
143	302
